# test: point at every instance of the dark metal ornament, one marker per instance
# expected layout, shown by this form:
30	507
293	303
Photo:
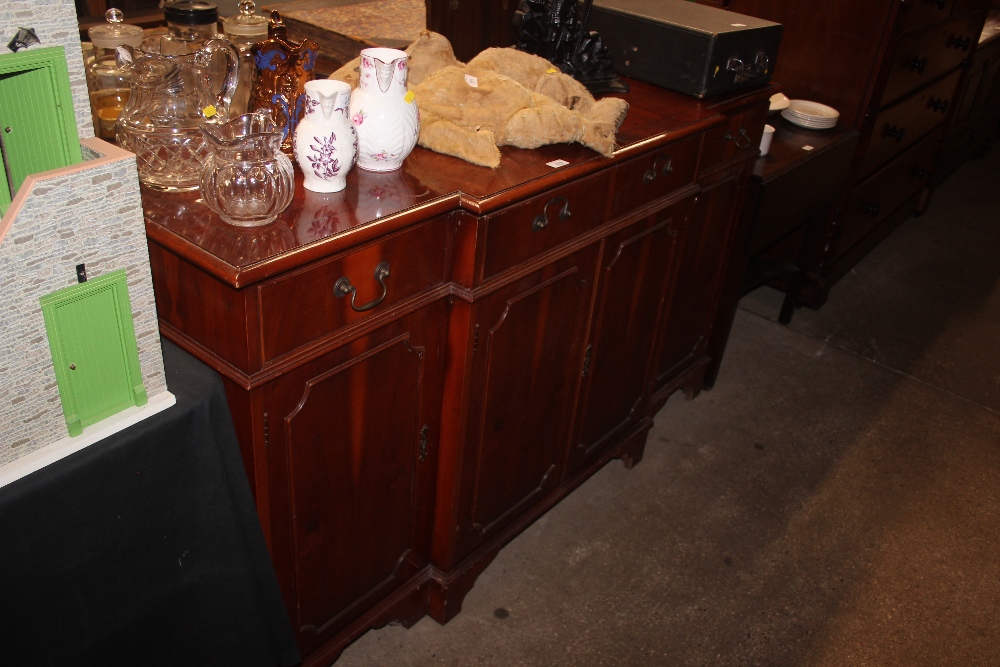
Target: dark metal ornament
24	38
557	31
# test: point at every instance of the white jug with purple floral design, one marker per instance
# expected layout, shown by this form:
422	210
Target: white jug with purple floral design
325	143
383	111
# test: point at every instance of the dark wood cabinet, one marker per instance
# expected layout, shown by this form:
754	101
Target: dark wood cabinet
976	123
354	433
892	69
502	341
527	352
637	264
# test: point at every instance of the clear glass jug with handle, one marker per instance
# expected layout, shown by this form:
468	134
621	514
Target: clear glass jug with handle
172	96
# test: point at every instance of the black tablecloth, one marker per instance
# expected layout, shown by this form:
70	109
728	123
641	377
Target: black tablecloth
143	549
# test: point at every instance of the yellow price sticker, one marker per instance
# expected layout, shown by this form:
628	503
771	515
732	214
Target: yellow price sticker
409	97
552	70
209	111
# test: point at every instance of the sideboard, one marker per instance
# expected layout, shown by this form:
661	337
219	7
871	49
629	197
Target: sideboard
420	366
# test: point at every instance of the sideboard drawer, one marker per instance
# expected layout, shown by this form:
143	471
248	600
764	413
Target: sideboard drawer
527	229
925	55
904	123
654	175
304	306
740	135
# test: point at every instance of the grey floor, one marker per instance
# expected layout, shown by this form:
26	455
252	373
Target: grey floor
833	501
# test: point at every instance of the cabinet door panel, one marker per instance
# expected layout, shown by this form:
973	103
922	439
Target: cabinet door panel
692	305
635	267
355	426
526	368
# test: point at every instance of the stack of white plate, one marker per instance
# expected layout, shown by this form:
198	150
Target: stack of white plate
812	115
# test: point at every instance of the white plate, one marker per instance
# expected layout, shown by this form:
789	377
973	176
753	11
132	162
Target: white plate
824	124
813	110
779	101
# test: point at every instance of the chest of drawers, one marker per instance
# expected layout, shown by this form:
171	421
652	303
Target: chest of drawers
892	68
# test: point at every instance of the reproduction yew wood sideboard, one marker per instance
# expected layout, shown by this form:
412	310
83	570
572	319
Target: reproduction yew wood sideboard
420	366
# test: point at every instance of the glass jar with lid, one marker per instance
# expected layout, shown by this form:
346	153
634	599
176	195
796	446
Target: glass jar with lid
190	23
109	85
244	30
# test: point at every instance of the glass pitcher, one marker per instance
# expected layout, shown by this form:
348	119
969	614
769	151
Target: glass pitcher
172	96
247	180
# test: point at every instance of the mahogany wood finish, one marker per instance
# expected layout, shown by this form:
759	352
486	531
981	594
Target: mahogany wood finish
531	320
976	124
471	26
892	69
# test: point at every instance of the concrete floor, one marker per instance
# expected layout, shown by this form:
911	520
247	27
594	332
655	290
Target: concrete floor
832	502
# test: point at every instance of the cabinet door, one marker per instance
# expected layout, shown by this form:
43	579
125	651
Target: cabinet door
352	434
693	299
528	354
635	266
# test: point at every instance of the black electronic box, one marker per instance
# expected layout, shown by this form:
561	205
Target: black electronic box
687	47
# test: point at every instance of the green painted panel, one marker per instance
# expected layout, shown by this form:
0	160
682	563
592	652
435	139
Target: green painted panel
37	121
94	351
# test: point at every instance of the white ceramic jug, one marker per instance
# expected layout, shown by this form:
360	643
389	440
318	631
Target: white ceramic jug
325	143
383	112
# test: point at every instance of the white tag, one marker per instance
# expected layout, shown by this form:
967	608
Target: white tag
807	148
472	81
738	25
555	164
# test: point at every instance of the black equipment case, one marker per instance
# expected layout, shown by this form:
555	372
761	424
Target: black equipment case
683	46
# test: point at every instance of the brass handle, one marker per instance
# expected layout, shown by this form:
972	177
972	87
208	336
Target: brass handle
937	104
870	208
541	220
741	138
894	132
343	287
916	64
652	172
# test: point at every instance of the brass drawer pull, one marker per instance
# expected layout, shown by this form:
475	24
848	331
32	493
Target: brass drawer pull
541	220
959	42
937	104
742	139
915	64
652	172
343	287
894	132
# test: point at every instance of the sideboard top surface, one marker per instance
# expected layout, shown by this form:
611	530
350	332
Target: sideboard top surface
317	225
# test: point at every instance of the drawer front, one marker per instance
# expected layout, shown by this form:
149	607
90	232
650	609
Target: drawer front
904	123
307	305
741	135
923	56
654	175
917	13
529	228
875	199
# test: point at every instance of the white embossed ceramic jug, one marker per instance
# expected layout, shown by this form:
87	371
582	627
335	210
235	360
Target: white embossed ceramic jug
383	112
325	143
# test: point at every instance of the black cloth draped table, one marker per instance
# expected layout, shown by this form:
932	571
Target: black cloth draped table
143	549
